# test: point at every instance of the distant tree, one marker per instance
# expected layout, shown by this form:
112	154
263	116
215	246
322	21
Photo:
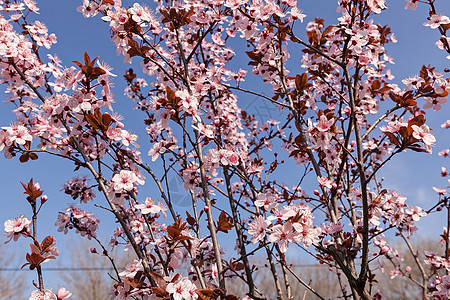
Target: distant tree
89	275
12	285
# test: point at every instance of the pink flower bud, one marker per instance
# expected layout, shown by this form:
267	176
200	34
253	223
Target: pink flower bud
44	199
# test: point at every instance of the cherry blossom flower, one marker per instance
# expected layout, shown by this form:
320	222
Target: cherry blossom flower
324	124
125	181
297	14
440	191
258	229
423	133
411	4
442	287
435	21
44	295
308	235
16	227
183	289
325	182
18	134
333	228
395	272
77	188
434	103
282	234
150	207
131	269
105	67
446	124
266	200
88	9
445	153
413	82
63	294
415	212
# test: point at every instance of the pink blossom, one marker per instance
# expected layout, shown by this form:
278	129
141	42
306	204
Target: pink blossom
258	229
308	235
16	227
443	287
446	124
435	21
413	82
411	4
283	235
445	153
45	295
18	134
297	14
434	103
423	133
266	200
125	181
150	207
131	269
183	289
324	124
88	9
415	212
325	181
333	228
63	294
395	273
440	191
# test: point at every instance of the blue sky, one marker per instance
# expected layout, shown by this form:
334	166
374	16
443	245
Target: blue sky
412	174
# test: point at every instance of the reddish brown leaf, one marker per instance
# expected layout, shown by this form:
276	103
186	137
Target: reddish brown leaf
160	292
47	243
159	280
190	219
31	190
392	138
205	294
24	158
224	223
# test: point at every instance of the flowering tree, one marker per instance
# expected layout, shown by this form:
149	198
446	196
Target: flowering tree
341	119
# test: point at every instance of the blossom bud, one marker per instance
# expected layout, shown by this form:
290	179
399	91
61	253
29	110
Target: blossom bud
37	186
316	192
44	199
353	143
408	269
93	250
